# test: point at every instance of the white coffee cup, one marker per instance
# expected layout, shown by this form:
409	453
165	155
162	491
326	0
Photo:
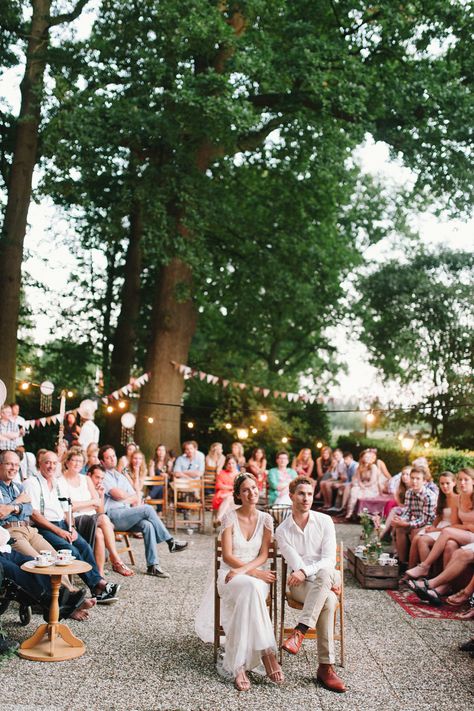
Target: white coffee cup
384	556
46	554
383	561
66	552
392	561
42	560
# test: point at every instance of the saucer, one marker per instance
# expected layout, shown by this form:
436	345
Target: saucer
66	562
43	565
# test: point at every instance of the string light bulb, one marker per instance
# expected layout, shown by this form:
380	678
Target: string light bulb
150	420
110	409
24	386
319	444
242	433
122	404
370	418
253	430
228	426
263	417
190	425
284	440
69	393
28	370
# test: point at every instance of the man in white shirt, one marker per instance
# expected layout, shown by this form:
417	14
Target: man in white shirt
307	541
19	421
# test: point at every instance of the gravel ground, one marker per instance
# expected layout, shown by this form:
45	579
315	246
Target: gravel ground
142	654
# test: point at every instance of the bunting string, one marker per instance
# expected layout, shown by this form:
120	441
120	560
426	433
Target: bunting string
131	386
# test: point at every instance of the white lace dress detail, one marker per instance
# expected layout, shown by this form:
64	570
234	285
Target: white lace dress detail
244	613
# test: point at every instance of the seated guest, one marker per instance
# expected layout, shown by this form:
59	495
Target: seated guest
351	466
16	509
237	450
123	507
303	463
125	459
214	461
257	465
136	471
420	503
88	512
336	482
279	478
459	533
37	588
323	470
189	465
424	539
92	457
461	562
48	515
223	499
365	482
160	465
397	506
384	474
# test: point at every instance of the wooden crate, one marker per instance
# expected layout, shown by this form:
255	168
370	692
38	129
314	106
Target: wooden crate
372	576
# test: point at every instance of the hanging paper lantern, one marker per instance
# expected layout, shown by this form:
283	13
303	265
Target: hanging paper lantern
46	399
3	392
127	420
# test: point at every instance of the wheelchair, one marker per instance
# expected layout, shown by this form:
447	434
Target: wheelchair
11	592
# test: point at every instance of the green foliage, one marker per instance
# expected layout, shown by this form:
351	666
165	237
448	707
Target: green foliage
426	338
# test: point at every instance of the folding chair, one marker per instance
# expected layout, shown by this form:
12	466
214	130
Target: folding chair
127	547
311	633
158	480
271	599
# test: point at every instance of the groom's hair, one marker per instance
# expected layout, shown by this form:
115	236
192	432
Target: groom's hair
298	481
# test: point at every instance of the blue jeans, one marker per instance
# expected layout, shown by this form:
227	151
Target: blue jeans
80	549
38	586
146	520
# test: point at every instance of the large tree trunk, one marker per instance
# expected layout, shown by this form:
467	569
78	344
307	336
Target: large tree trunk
174	324
124	337
19	190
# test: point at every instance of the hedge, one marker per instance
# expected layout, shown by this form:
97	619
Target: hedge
390	451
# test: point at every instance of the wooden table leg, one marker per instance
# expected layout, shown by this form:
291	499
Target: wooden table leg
53	642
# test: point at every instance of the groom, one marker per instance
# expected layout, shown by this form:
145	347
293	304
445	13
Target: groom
307	541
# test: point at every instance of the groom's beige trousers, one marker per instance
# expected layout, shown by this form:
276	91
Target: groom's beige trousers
319	606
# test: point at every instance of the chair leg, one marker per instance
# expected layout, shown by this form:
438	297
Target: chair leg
129	548
341	622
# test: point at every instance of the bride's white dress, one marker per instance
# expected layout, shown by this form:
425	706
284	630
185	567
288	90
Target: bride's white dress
244	613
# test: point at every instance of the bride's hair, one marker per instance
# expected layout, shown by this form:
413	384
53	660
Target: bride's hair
238	481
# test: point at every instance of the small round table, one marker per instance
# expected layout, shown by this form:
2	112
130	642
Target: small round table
54	641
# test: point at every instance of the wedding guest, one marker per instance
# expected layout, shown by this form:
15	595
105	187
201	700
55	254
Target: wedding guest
92	457
223	499
365	482
420	503
237	450
9	431
460	563
257	465
71	429
279	478
459	533
189	465
336	482
307	541
160	465
19	421
89	430
126	458
447	503
215	460
127	514
303	463
136	471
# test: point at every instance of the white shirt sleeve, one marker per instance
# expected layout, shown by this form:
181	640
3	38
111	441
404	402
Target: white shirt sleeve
328	548
33	488
289	553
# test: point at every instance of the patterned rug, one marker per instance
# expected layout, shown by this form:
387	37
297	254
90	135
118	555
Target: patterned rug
416	608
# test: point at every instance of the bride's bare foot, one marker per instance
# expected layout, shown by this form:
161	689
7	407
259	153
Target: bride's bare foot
241	681
272	668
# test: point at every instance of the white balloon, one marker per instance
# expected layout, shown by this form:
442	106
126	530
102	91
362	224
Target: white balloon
128	420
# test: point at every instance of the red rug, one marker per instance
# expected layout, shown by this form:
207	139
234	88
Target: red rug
416	608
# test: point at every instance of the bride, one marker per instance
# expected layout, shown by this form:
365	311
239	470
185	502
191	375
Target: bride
243	587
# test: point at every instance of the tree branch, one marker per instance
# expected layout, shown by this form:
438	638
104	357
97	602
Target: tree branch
68	16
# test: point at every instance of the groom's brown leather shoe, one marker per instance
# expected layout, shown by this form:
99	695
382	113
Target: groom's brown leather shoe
293	643
329	679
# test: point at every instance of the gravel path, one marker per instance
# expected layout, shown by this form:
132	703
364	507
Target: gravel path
142	654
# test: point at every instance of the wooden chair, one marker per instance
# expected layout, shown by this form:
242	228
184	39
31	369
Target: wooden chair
271	600
127	547
157	480
311	633
188	486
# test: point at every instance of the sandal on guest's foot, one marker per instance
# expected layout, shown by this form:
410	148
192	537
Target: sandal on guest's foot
425	593
241	681
122	569
273	669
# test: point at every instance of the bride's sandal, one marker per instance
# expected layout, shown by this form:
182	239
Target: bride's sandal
241	681
273	669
